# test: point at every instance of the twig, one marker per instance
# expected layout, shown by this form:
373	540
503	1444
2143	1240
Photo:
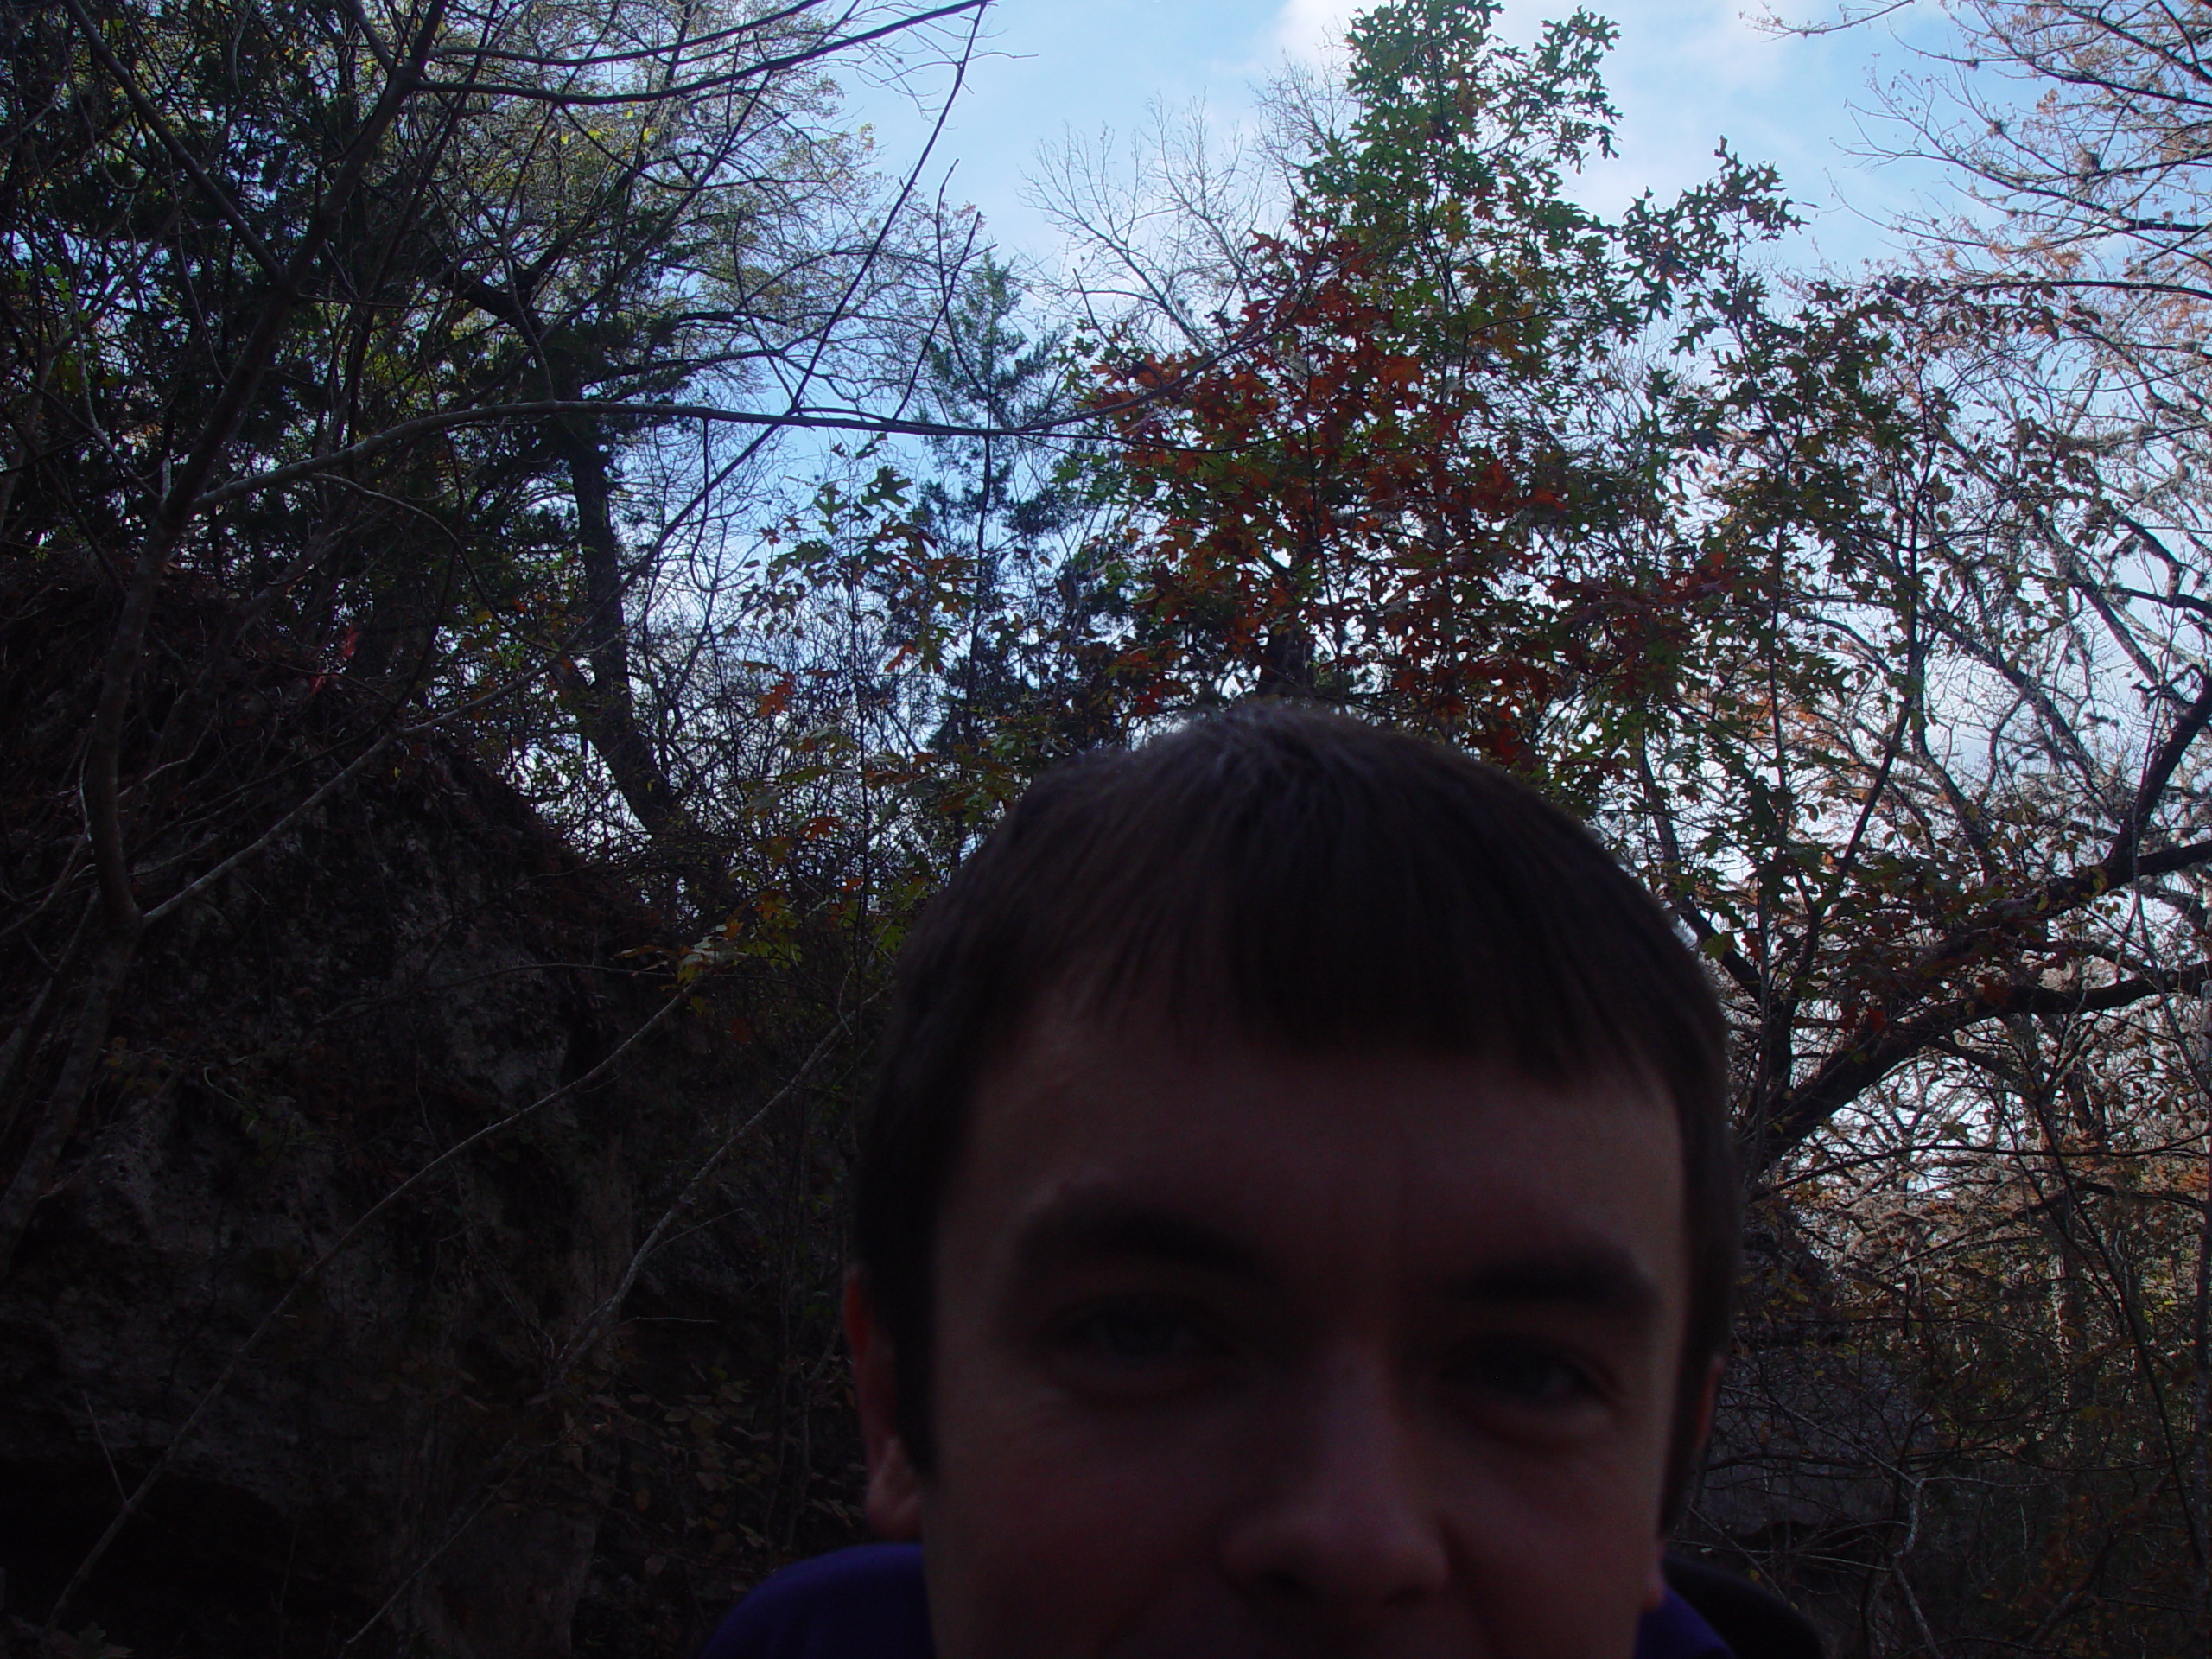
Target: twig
595	1323
201	882
100	1439
453	1536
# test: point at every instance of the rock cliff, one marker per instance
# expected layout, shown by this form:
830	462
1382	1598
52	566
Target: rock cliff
401	1455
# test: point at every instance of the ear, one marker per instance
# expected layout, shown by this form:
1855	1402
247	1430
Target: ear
894	1491
1708	1400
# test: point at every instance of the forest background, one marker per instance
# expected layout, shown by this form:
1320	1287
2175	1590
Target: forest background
530	548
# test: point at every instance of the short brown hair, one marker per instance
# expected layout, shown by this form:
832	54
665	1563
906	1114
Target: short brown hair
1310	882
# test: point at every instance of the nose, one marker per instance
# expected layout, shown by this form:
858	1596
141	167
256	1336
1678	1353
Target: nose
1345	1528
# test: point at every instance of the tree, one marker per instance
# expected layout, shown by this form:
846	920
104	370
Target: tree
1392	484
368	371
314	310
1977	1062
1023	507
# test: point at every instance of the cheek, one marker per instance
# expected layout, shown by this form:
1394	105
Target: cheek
1049	1527
1556	1551
1607	1488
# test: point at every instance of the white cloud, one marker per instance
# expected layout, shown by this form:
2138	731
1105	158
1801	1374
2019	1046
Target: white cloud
1312	31
1704	45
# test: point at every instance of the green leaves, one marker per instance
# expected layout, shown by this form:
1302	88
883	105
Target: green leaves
1433	477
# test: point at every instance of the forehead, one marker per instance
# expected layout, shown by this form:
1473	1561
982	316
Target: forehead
1435	1161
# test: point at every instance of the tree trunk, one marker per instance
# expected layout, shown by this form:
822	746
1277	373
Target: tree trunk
604	703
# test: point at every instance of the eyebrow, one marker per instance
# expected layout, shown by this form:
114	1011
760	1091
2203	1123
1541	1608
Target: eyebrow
1104	1228
1601	1278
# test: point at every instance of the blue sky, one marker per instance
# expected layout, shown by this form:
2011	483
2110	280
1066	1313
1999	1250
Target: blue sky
1686	73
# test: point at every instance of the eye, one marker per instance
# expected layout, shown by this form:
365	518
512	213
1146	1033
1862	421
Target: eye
1135	1332
1525	1373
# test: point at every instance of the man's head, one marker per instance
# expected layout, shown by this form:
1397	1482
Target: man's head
1297	1213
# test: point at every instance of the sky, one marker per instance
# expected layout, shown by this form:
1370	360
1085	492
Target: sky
1686	74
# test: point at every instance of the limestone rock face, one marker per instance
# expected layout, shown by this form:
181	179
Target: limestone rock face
419	960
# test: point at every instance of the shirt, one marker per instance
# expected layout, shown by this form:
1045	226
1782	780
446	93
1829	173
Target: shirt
868	1603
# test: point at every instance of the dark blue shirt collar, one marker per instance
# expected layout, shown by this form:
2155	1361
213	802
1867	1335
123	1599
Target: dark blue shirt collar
868	1603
